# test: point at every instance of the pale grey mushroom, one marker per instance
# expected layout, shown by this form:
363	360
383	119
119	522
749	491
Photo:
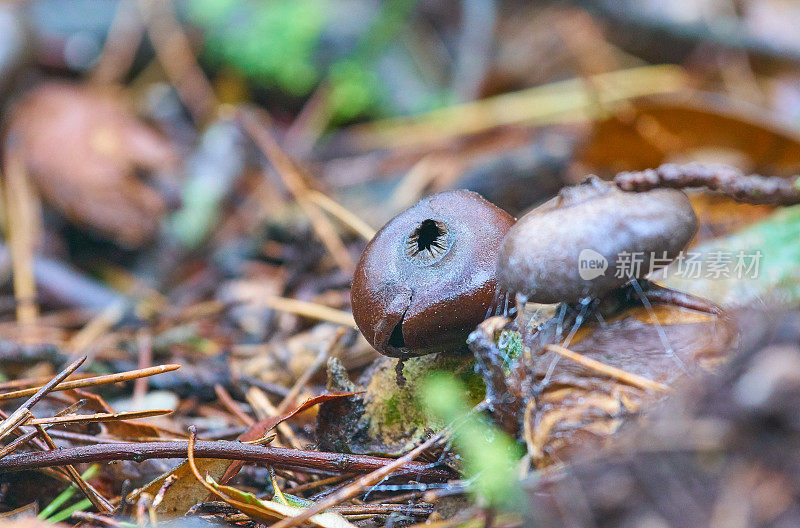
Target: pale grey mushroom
587	241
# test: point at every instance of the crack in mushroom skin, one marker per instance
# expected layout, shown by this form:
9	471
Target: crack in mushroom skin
428	276
539	257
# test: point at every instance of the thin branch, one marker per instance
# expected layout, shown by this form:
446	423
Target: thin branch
24	410
350	491
344	215
279	457
33	433
97	380
730	181
293	179
97	417
174	53
607	370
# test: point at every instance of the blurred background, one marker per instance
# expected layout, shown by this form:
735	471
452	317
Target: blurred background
193	182
161	155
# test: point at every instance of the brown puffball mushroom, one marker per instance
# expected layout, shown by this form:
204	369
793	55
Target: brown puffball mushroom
428	276
572	246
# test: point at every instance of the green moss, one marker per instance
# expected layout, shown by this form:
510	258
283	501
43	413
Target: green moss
395	414
511	345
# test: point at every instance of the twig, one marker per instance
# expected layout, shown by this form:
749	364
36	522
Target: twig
228	402
294	459
12	446
175	55
122	42
292	178
94	381
24	410
30	435
97	417
350	491
730	181
344	215
26	383
360	510
607	370
321	358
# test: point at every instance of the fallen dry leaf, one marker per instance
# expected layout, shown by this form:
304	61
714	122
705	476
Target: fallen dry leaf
650	131
581	409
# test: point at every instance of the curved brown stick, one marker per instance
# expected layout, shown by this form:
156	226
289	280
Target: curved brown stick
660	295
278	457
752	189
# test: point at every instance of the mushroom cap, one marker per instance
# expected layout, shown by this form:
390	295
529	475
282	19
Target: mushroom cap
584	241
427	278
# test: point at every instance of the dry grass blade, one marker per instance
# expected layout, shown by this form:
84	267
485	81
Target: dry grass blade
264	409
23	411
607	370
21	226
230	404
95	381
97	417
350	491
96	327
121	45
321	358
561	101
174	53
293	180
344	215
311	310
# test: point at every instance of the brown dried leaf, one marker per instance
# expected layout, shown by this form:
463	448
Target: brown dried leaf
581	409
83	148
653	130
